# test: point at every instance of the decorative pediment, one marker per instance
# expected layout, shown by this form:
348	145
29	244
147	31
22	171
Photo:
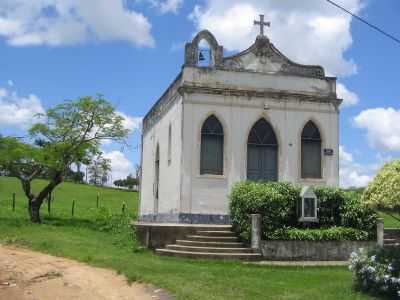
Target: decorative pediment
263	57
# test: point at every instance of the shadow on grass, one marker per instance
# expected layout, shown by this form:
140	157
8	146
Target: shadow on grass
70	222
53	221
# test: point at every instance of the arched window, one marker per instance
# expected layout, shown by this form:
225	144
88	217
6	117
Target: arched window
156	177
212	147
310	151
262	153
169	143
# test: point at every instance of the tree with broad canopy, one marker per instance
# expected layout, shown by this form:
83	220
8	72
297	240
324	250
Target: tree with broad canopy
383	192
69	134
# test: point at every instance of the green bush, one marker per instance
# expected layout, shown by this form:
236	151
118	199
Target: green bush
330	200
325	234
276	202
377	271
356	214
118	225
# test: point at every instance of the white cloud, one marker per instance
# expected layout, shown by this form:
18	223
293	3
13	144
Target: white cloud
67	22
355	174
166	6
383	127
121	166
351	173
131	123
17	110
349	98
309	32
3	93
345	157
171	6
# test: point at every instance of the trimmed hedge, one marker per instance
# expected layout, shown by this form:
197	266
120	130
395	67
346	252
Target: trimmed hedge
276	202
356	214
325	234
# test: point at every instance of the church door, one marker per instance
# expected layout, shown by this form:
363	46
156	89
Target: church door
262	153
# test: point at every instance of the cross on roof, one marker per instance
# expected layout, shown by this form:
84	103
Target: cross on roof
262	24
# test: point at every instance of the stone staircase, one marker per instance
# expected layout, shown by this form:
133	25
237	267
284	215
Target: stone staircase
211	243
391	237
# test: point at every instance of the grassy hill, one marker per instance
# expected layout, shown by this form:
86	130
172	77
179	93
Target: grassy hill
96	237
85	197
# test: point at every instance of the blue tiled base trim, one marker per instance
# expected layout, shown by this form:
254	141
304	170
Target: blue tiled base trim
186	218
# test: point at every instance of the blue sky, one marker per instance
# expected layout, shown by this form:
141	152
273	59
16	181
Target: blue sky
51	50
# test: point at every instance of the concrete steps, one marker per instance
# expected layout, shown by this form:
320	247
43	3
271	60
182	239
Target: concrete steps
209	249
207	255
215	233
211	244
391	238
205	238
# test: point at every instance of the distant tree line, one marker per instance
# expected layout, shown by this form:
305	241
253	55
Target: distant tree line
129	182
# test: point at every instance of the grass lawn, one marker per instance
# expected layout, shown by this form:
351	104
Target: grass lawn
390	222
79	238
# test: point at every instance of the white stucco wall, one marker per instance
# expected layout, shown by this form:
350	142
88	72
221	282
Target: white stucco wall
182	189
208	194
170	173
261	81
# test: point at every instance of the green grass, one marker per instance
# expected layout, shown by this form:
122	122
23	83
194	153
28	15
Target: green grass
81	239
390	222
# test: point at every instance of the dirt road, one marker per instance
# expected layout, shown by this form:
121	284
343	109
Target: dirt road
28	275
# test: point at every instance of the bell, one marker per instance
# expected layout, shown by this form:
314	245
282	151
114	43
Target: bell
201	57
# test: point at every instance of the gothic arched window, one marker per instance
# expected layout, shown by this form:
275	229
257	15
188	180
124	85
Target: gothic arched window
156	178
169	143
262	153
310	151
212	147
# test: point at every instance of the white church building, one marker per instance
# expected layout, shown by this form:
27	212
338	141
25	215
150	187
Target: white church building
255	115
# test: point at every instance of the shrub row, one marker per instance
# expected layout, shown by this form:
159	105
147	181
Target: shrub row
377	271
322	234
276	202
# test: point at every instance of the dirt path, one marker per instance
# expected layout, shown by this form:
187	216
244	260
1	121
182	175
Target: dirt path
28	275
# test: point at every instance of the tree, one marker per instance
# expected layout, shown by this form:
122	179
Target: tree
98	170
130	182
118	183
75	176
78	177
137	171
71	133
384	191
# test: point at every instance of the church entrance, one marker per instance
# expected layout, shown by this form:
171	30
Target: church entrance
262	153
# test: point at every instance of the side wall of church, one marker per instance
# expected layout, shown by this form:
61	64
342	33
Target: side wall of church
208	194
169	164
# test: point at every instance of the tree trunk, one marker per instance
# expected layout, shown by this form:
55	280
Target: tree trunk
35	202
34	210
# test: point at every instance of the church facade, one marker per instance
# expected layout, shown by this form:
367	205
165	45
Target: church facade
255	115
